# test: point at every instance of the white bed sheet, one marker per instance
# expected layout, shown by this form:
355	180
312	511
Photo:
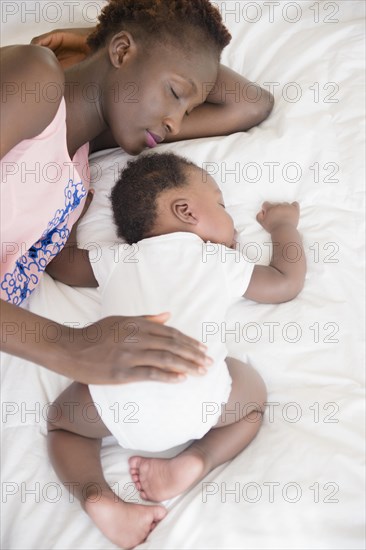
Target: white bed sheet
300	484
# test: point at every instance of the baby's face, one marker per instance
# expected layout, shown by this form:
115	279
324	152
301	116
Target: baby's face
196	208
214	223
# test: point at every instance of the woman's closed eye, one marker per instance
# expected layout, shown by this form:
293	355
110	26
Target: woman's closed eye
178	98
174	94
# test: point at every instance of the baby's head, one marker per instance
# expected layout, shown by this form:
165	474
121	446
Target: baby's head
164	193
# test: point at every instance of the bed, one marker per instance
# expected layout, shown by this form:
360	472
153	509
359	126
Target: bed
300	484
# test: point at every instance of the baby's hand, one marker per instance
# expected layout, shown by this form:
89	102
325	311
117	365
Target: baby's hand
274	214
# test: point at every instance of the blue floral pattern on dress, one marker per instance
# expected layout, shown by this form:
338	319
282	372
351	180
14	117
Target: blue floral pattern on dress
19	284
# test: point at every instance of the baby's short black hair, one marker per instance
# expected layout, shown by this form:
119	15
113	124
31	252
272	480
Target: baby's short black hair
134	197
159	20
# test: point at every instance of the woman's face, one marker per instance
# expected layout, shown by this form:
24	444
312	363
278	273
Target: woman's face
149	95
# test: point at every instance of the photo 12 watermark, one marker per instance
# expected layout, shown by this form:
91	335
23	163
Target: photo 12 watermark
234	11
53	492
291	412
255	252
271	492
122	331
270	332
271	171
52	12
22	412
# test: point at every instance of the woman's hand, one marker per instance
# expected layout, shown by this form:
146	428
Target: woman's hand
114	350
119	350
69	45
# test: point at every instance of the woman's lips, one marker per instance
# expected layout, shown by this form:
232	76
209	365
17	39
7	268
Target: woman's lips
152	139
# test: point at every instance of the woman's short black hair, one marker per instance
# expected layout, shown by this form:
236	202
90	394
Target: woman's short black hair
177	21
134	197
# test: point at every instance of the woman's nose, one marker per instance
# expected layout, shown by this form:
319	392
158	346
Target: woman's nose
173	123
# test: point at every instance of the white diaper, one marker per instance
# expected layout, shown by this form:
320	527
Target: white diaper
155	416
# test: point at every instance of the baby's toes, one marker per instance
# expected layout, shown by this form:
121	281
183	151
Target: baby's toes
135	476
134	462
159	513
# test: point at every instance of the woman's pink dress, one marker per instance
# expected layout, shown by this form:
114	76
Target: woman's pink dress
42	194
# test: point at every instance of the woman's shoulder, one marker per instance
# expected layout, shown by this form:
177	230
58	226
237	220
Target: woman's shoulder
27	75
23	59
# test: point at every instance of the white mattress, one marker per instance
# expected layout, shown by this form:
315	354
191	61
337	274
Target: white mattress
300	484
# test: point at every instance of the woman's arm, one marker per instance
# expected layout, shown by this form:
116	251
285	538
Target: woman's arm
234	105
157	352
112	358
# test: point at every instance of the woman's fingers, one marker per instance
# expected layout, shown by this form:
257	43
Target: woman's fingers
159	318
144	373
52	40
178	344
42	40
69	45
178	351
158	329
167	361
130	346
156	335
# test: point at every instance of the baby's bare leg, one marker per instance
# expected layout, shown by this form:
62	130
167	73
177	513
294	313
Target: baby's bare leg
161	479
74	444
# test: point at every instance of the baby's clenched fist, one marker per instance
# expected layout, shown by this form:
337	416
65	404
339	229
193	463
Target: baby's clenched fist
273	215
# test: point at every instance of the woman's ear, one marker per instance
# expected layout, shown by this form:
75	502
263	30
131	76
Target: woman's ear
184	212
120	48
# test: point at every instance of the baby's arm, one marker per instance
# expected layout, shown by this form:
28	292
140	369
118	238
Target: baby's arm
284	278
72	265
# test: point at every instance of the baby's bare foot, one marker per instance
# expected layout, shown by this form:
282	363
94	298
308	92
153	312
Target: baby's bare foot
159	479
124	524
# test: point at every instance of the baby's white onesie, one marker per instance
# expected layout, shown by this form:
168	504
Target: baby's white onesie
196	282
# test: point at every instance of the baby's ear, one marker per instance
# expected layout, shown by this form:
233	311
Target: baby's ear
184	212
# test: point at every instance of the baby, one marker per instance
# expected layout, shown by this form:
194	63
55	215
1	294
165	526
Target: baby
181	257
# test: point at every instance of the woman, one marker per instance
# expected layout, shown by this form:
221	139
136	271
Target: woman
152	74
